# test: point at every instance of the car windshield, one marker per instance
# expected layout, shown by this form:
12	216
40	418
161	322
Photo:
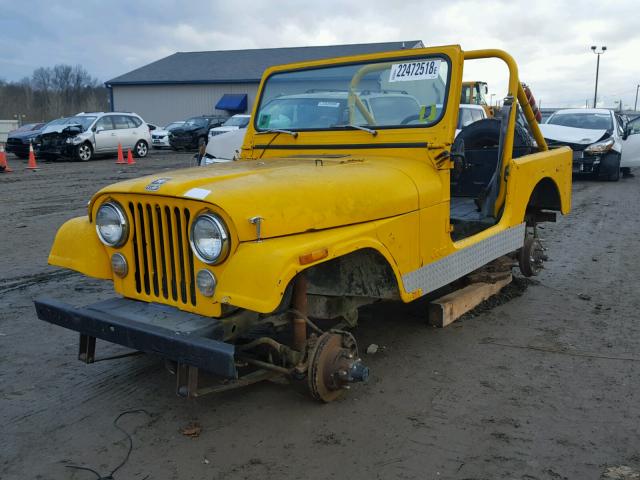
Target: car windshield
196	122
590	121
237	122
392	93
57	121
84	121
172	125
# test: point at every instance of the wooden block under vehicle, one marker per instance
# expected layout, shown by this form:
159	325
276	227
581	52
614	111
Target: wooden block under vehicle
449	308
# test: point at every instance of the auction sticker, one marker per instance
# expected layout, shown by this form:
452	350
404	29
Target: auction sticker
418	70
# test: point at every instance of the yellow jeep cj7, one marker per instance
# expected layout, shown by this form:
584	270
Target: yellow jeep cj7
350	189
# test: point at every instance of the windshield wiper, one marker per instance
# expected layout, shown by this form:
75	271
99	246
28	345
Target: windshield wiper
360	127
277	130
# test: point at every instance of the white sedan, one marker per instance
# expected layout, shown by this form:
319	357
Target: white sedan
237	122
600	144
160	136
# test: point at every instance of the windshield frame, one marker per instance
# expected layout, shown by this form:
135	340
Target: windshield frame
373	61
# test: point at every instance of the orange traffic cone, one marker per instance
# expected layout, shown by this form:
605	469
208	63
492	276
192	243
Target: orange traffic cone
4	166
120	156
130	160
32	159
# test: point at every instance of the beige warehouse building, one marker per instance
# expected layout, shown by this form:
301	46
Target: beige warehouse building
222	82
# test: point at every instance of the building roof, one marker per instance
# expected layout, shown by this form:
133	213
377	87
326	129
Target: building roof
240	66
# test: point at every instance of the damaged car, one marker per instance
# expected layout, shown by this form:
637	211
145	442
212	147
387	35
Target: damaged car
600	144
88	135
18	140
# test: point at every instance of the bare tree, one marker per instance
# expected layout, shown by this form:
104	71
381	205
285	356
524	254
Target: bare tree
52	92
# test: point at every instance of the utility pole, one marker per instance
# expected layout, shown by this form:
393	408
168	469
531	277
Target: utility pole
635	106
594	50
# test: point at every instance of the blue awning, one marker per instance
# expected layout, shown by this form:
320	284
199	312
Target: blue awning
234	102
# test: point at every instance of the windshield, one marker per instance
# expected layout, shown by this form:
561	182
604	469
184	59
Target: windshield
84	121
196	122
237	122
590	121
173	125
388	94
57	121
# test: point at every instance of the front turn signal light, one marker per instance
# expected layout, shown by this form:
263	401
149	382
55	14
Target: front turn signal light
314	256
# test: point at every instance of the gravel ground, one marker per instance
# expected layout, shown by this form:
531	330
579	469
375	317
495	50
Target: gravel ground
542	384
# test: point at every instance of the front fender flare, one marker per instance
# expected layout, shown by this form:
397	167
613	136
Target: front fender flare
77	247
258	273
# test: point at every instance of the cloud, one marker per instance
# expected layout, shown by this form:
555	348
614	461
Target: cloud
549	39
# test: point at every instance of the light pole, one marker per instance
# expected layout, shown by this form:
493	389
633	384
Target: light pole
594	50
635	107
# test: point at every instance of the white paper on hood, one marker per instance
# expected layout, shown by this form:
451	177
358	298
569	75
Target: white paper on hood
580	136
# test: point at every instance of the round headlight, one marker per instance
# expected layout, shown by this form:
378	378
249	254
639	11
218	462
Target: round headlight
119	265
206	282
111	224
209	238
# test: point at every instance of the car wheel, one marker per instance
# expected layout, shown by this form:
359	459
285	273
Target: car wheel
611	171
84	152
141	149
615	176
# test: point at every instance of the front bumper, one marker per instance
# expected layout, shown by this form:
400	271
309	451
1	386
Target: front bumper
183	142
19	149
162	330
65	150
602	163
160	142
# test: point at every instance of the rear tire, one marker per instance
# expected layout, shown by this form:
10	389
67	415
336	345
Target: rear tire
141	149
84	152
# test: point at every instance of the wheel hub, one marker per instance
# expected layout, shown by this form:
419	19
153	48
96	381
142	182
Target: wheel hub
333	365
531	257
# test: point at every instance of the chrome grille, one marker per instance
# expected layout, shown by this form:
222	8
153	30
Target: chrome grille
163	260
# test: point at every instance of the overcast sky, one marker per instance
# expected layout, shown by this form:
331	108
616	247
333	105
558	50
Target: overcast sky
549	39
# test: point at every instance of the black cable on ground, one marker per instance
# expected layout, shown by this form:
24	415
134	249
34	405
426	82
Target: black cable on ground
110	476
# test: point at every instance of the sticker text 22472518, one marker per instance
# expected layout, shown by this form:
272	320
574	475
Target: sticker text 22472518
418	70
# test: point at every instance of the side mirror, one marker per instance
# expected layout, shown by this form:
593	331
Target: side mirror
626	133
98	129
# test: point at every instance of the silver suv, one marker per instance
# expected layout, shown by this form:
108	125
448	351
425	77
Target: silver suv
91	134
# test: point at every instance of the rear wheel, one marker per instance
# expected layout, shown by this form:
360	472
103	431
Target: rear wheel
626	172
84	152
141	149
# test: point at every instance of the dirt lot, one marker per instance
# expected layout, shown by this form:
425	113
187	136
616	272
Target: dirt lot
544	386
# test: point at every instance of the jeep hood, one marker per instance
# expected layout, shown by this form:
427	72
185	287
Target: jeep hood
292	195
579	136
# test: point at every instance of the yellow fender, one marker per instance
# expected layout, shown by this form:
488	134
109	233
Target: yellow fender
78	248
